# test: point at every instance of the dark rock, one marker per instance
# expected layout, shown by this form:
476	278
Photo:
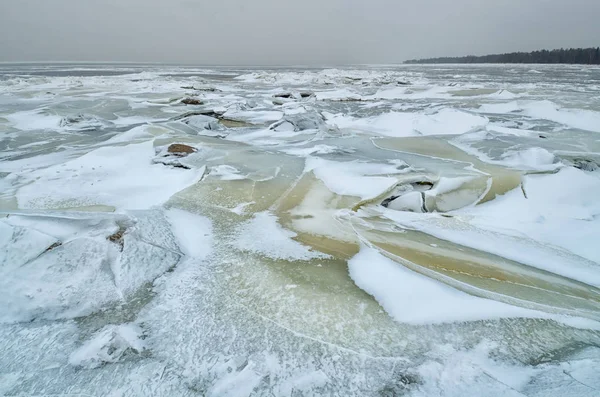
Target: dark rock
117	237
285	95
55	245
180	149
191	101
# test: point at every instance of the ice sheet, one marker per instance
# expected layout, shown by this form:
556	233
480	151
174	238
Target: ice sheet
120	276
123	177
415	299
353	178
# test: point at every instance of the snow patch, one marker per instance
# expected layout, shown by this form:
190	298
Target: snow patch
263	235
109	345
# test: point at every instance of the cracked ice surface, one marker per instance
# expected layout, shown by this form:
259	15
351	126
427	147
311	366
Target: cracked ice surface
393	231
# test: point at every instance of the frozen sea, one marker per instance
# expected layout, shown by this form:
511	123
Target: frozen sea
366	231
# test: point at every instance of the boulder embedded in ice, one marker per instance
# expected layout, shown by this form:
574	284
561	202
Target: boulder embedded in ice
117	237
181	150
109	345
174	156
191	101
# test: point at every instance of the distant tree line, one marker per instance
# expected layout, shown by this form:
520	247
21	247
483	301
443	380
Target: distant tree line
584	56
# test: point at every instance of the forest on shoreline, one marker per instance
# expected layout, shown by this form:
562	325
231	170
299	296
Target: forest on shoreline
584	56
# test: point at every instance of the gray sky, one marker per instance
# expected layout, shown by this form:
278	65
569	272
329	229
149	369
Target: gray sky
288	31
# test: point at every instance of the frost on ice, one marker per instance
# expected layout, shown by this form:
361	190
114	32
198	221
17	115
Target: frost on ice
391	231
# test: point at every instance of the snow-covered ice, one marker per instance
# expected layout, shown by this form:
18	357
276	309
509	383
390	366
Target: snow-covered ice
380	231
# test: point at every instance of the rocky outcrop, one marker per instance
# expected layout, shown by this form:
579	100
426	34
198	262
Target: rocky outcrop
173	154
55	245
117	238
181	150
192	101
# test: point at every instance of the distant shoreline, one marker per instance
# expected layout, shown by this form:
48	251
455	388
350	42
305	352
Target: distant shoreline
571	56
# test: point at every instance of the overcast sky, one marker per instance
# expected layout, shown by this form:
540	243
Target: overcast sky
262	32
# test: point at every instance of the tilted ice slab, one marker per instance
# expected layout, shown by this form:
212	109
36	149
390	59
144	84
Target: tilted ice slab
123	177
531	158
71	267
560	209
412	298
358	179
587	120
550	229
446	121
575	118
